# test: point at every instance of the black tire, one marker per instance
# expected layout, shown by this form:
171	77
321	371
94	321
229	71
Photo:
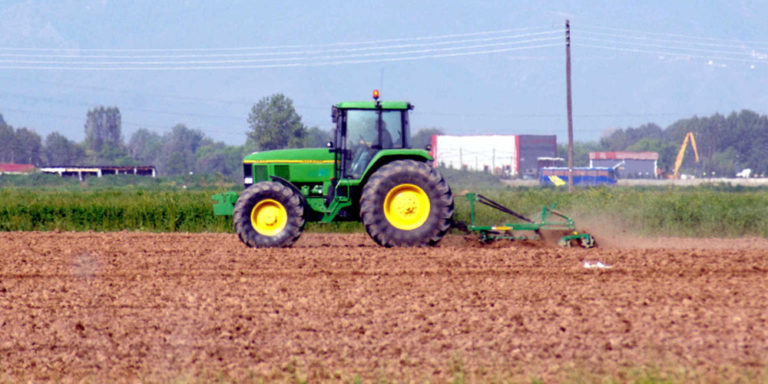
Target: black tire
259	220
429	227
591	243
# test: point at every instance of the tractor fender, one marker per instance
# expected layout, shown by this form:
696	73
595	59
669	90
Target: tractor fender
385	157
296	190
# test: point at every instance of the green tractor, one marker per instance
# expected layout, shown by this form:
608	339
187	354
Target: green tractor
369	172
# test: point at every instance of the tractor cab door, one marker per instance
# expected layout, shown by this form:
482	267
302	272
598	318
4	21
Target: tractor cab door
367	131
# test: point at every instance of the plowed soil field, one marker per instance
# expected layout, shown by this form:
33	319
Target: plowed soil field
127	306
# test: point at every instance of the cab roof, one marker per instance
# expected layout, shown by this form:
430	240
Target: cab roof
402	105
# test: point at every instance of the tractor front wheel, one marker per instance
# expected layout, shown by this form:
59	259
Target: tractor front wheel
268	214
406	203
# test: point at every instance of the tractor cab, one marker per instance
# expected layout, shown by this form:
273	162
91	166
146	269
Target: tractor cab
365	128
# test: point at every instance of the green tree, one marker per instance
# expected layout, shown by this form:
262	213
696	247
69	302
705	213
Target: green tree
29	146
145	146
667	151
581	152
725	163
317	138
175	164
751	131
621	139
724	143
178	153
220	158
423	137
102	127
22	146
274	124
112	155
8	148
59	150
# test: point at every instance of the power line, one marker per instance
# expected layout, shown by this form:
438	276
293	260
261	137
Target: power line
637	44
290	46
280	62
492	42
674	41
671	53
288	59
675	45
182	67
687	37
279	53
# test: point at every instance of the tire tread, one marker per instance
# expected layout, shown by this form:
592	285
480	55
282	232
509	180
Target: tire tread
414	172
264	190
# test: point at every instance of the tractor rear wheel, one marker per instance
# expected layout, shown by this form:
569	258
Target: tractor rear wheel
406	203
268	214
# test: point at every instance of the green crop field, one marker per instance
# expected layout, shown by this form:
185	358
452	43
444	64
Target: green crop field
108	210
43	202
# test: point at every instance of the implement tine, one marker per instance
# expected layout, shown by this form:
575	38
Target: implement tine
486	201
558	213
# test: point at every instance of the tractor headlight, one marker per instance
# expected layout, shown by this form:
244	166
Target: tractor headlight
247	174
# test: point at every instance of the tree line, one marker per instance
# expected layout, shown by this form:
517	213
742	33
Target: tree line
726	144
273	123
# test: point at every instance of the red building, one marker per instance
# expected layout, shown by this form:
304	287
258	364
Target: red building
16	168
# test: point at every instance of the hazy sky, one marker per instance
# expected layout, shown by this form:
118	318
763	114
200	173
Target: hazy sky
469	67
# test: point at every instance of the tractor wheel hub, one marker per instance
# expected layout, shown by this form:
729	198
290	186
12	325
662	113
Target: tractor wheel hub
406	206
269	217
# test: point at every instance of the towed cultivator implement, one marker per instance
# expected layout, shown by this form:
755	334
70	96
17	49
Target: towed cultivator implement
552	222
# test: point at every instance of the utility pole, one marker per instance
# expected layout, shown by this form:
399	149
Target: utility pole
493	162
570	104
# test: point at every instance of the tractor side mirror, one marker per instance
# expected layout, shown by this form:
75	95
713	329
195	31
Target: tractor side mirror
428	147
334	113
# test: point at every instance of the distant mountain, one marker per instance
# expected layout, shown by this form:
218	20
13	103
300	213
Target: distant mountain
26	25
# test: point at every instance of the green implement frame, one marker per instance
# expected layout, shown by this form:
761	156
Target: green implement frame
551	221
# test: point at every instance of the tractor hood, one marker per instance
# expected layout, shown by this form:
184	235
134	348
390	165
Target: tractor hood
298	166
291	156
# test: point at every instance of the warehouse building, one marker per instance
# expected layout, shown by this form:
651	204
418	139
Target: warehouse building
502	155
536	151
628	165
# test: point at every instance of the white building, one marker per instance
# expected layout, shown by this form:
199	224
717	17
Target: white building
491	153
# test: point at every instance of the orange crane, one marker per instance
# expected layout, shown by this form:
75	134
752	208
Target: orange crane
681	153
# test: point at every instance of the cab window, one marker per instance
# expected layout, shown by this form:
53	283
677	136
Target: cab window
364	140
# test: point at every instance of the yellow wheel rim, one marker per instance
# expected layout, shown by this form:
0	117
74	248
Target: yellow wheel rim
406	207
269	217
